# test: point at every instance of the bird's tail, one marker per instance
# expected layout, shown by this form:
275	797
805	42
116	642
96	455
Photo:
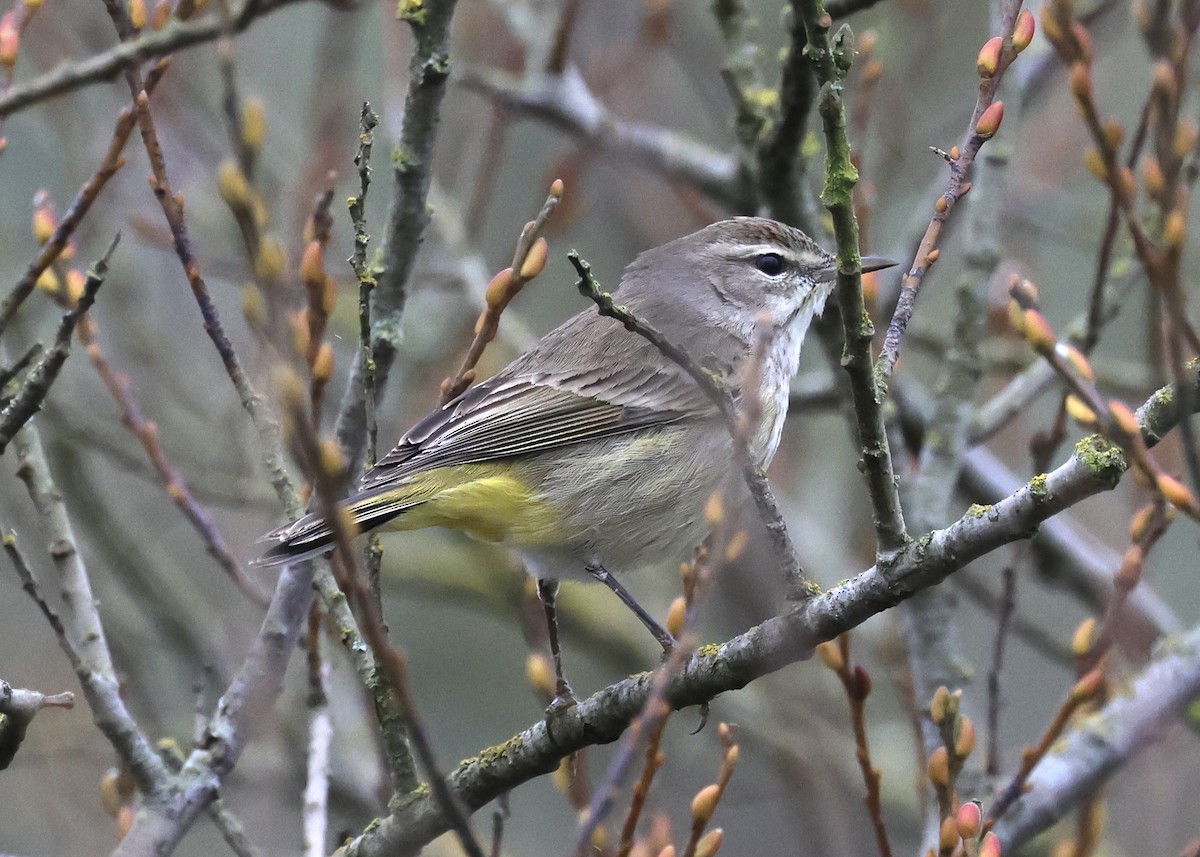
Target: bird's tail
312	535
481	500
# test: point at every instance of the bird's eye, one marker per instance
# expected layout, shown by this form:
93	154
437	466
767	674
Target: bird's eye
770	264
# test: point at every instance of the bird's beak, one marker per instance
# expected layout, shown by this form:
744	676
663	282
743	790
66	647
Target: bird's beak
869	264
877	263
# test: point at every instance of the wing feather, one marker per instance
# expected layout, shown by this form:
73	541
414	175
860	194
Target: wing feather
520	414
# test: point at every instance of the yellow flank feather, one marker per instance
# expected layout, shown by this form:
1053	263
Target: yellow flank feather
480	500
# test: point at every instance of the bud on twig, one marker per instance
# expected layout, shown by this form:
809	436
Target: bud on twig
1176	492
1139	524
1023	31
535	259
1079	411
989	57
1084	637
830	653
254	123
989	121
947	835
939	767
968	819
1124	418
710	843
704	804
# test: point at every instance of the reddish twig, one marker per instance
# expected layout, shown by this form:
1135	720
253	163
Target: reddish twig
325	465
1087	689
1112	418
146	432
172	208
705	802
995	58
529	259
79	207
654	761
1147	526
856	681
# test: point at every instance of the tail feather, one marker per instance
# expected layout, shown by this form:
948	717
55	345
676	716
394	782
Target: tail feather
312	536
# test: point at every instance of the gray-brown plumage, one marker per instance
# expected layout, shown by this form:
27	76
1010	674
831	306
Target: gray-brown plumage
615	439
592	452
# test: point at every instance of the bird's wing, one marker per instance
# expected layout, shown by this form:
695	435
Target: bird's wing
518	414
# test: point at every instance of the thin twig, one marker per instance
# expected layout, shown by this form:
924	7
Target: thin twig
653	762
79	207
408	214
529	258
706	799
231	99
1015	397
650	721
1147	526
264	422
176	35
36	386
856	682
1086	690
392	663
831	60
82	637
171	478
799	587
959	161
34	591
1004	617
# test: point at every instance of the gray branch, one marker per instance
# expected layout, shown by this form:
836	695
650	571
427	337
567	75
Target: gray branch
564	101
408	214
163	819
1094	467
1102	743
175	36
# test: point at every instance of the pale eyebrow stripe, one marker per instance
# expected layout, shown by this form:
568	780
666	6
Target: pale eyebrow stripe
749	250
743	251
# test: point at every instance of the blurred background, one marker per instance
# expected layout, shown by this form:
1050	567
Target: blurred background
179	627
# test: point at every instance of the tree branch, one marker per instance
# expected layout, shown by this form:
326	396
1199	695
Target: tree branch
1094	467
175	36
408	214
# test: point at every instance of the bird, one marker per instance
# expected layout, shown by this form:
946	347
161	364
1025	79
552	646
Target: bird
592	454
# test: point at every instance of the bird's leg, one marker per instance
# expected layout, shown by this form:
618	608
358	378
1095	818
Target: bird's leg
563	697
660	633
